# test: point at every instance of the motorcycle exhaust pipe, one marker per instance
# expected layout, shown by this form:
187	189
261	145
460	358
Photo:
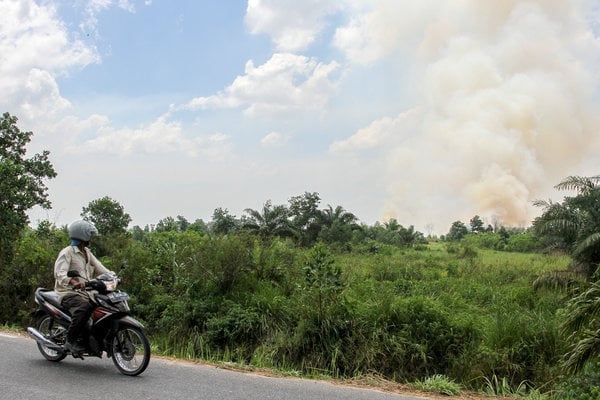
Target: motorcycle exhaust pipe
38	337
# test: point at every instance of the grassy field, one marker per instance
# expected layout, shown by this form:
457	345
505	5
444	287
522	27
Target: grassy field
469	315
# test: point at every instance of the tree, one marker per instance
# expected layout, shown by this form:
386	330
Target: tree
272	221
458	230
21	183
167	224
583	328
476	224
223	222
306	216
108	215
323	278
574	225
198	226
337	225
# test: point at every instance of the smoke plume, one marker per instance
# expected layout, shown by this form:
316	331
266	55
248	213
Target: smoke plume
505	106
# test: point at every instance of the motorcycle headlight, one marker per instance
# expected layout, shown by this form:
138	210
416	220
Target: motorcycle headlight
111	285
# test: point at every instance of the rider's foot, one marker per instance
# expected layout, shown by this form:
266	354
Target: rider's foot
75	348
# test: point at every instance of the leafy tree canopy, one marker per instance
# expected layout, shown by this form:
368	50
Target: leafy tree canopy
108	215
21	182
458	230
476	224
574	224
272	221
223	222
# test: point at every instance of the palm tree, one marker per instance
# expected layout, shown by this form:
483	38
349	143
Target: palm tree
574	225
337	225
329	216
272	221
582	327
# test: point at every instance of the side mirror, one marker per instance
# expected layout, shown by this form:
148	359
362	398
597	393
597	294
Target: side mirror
123	265
73	274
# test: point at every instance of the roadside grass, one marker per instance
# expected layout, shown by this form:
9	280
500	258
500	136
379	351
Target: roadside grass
438	384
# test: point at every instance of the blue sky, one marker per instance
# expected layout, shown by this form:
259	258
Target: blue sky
427	112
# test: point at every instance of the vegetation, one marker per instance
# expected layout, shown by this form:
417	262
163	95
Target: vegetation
21	183
407	312
438	384
299	288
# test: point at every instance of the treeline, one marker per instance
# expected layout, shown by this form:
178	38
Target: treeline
305	224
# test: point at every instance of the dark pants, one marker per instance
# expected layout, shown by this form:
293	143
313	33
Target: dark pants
80	309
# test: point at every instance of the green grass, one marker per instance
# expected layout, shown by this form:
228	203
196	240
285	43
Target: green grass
438	384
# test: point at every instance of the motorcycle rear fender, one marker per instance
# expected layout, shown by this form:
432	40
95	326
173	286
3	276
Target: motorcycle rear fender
38	313
59	318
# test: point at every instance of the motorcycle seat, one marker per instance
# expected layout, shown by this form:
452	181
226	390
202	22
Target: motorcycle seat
51	296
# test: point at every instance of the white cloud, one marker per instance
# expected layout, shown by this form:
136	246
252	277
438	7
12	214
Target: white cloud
285	84
274	139
380	133
36	48
293	25
158	137
93	8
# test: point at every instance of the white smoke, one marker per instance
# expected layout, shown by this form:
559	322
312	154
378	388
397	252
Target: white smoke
504	105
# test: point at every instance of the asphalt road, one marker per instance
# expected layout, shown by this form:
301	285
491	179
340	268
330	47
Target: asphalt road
25	374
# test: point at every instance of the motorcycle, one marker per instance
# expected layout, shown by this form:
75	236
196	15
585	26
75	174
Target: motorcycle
110	328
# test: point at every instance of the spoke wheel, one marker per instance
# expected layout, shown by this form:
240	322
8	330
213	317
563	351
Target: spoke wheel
55	332
130	351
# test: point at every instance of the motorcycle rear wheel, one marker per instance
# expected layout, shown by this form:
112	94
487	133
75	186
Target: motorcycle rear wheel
54	332
130	351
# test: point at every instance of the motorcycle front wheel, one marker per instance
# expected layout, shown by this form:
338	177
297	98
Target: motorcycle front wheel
130	351
54	332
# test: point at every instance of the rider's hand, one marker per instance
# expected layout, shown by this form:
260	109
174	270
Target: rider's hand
76	284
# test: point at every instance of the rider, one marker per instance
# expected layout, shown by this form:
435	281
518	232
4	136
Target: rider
77	257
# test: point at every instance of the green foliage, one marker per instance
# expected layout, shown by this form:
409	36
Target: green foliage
583	386
582	326
223	222
107	215
21	183
523	242
574	224
392	233
438	384
407	313
306	216
272	221
32	266
496	386
476	224
323	278
458	230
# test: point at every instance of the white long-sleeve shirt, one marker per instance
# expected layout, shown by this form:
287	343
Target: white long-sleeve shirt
72	259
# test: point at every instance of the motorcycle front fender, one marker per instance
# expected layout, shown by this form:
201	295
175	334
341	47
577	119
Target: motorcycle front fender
129	321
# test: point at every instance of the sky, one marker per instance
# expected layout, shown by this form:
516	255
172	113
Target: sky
427	111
